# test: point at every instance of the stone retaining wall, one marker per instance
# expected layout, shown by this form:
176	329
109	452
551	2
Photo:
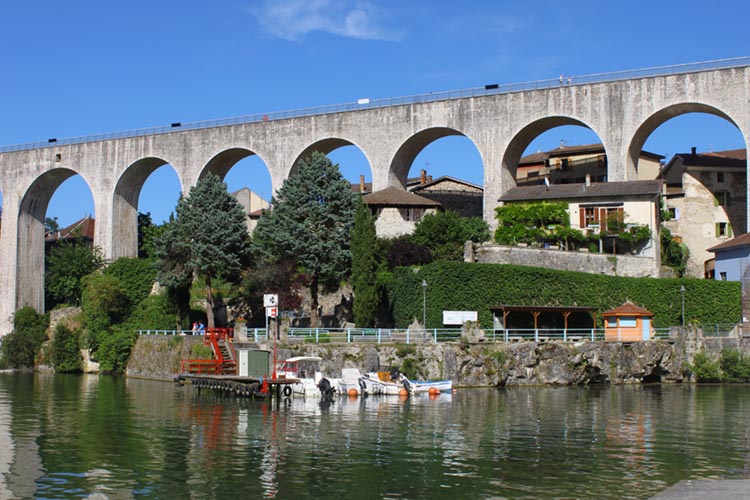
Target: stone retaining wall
620	265
475	365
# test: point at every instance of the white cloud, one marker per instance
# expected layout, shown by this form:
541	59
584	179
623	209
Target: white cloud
292	19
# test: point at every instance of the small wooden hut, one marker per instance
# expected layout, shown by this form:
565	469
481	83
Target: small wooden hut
627	323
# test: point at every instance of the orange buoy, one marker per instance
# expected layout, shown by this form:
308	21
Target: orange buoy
403	392
353	392
433	390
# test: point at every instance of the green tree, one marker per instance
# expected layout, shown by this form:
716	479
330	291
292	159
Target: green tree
364	245
208	238
66	265
66	351
51	224
310	224
445	233
148	232
20	347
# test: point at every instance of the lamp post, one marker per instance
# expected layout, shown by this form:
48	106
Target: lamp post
424	304
682	293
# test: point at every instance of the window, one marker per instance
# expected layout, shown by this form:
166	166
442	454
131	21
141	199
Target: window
412	214
612	321
719	176
590	216
628	321
723	275
723	230
674	213
722	199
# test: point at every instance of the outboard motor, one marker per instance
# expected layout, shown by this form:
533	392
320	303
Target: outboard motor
326	389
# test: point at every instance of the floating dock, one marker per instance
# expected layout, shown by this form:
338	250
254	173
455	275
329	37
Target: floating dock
244	387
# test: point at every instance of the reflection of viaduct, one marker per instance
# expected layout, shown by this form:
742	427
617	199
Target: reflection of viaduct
622	110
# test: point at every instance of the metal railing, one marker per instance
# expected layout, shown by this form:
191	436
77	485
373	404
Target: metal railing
437	335
563	80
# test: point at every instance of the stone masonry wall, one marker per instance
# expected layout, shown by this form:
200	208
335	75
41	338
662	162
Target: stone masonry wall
476	365
595	263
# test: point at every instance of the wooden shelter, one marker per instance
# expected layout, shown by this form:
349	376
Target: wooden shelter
627	323
540	329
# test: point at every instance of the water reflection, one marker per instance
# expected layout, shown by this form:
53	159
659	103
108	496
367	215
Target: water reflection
73	436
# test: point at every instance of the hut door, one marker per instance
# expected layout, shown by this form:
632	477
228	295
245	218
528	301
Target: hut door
646	328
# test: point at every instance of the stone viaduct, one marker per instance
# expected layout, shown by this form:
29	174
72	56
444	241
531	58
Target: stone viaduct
623	109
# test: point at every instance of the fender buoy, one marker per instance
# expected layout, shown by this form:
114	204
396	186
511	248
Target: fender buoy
288	391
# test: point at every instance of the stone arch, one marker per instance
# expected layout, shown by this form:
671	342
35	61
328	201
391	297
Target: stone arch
663	115
30	236
526	135
325	146
125	205
404	157
221	163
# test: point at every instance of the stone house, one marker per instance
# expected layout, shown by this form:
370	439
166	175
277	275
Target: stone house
397	211
575	164
706	199
253	206
81	231
458	195
591	205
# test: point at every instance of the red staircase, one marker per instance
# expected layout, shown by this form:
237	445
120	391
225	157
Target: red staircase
223	363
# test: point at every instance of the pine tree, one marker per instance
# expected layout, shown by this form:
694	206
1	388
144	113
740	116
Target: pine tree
364	267
310	224
208	238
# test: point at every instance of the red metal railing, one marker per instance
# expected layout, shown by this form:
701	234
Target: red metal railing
217	365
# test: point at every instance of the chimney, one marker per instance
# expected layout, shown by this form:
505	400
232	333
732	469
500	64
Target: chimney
429	178
588	180
361	183
422	177
692	152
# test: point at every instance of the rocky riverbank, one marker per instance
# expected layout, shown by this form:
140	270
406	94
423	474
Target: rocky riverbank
476	365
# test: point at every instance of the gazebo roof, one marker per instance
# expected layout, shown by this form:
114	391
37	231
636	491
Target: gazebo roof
628	309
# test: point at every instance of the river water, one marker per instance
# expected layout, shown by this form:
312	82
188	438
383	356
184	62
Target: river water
65	436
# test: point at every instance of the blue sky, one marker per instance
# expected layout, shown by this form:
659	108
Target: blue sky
84	67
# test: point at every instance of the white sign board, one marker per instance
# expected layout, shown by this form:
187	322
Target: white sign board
272	312
458	317
270	300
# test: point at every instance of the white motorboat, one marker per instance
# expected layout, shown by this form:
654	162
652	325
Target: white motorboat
381	383
305	370
431	386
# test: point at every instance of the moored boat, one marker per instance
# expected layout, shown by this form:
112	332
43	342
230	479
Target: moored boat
301	368
431	386
382	383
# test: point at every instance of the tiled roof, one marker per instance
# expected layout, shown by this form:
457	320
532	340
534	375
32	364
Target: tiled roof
729	158
397	197
742	240
83	228
595	190
628	309
443	179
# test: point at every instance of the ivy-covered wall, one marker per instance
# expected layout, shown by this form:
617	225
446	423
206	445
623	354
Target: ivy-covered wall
474	287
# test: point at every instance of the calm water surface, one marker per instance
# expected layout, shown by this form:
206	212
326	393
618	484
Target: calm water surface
78	436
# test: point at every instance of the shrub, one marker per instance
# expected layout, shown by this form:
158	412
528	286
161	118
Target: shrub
114	350
705	368
153	313
20	347
403	251
66	351
445	233
201	351
409	368
735	366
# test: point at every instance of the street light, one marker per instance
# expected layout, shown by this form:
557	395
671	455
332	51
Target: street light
424	304
682	293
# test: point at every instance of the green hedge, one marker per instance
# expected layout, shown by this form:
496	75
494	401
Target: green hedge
474	287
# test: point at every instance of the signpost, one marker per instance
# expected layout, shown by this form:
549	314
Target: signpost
271	303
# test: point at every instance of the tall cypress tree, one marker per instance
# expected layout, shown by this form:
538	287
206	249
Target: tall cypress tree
310	224
364	266
208	238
